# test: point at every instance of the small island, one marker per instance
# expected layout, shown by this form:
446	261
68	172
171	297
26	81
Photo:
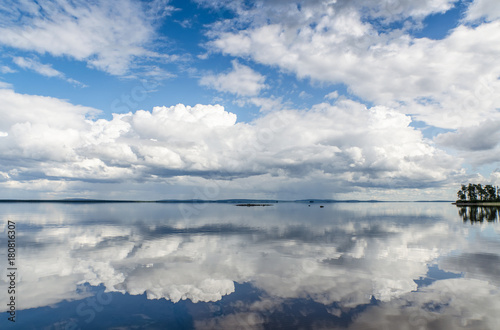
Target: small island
477	195
477	203
253	204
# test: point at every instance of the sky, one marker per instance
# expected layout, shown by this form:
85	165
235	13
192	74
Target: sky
201	99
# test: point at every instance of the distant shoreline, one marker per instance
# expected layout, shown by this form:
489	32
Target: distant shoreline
476	203
223	201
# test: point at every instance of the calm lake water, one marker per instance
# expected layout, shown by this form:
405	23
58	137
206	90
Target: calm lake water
219	266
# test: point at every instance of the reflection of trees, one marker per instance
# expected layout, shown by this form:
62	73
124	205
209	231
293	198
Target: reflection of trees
479	213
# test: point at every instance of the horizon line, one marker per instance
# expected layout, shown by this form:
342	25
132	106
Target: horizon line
229	201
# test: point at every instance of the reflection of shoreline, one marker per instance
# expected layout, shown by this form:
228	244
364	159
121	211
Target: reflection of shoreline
479	213
487	204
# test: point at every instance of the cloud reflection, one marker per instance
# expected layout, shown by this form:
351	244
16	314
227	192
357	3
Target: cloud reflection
342	257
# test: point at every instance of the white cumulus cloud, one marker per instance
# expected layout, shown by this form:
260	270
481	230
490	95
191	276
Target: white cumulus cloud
447	83
487	9
343	144
242	81
108	35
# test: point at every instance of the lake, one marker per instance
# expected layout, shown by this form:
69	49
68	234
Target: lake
220	266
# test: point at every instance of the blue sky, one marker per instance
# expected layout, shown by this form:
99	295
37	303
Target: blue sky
249	99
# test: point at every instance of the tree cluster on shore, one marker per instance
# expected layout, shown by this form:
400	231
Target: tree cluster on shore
478	193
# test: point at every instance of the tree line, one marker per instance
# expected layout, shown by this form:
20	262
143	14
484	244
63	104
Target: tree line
478	193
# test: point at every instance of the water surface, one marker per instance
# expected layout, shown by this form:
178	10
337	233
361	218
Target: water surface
219	266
